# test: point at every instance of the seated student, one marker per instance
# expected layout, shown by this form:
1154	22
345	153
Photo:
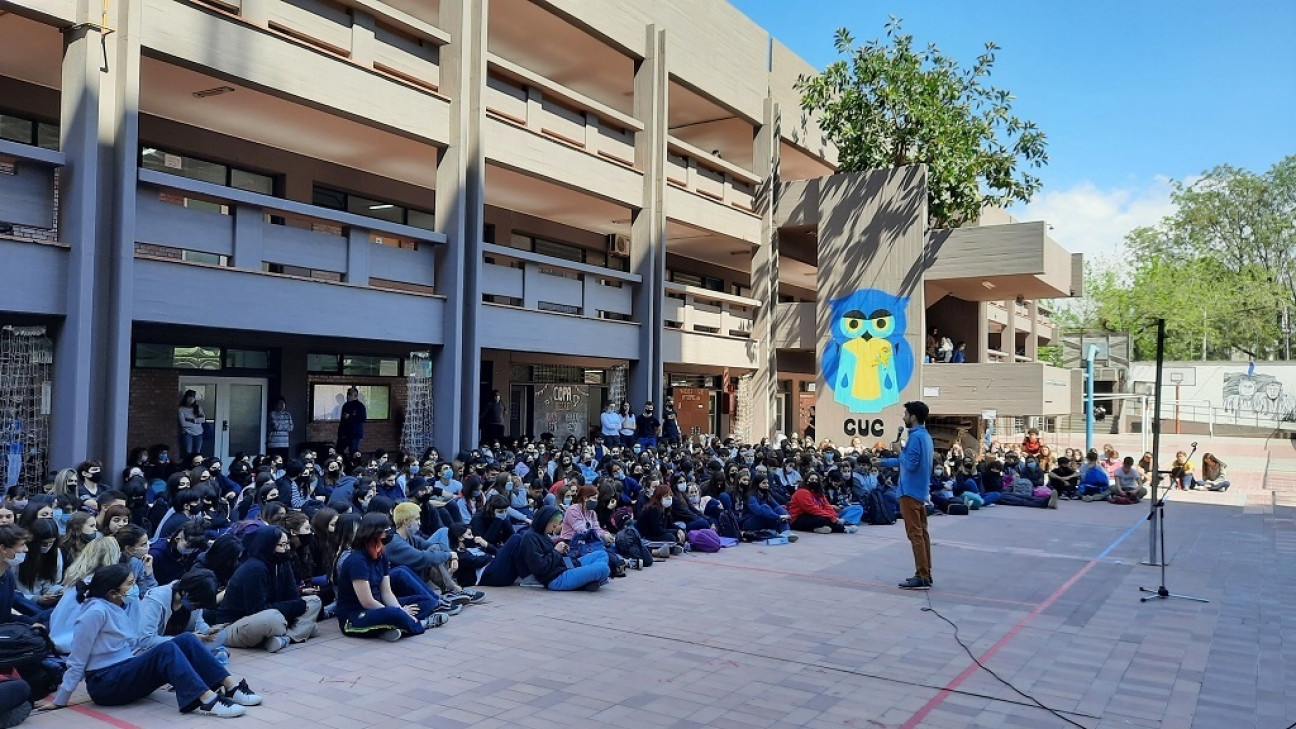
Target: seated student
654	523
1111	460
1128	482
14	608
1095	485
1019	491
1031	445
967	486
1214	477
177	608
367	607
1064	479
98	554
811	511
188	504
262	606
432	560
134	549
684	510
474	554
1033	473
1181	472
547	561
40	575
582	516
762	510
105	652
177	555
79	531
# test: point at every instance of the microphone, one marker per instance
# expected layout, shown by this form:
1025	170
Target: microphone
899	433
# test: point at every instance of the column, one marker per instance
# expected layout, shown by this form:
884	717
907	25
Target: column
460	199
765	276
1008	342
1032	334
648	225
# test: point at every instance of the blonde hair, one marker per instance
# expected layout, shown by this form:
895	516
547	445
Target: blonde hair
98	554
406	512
65	482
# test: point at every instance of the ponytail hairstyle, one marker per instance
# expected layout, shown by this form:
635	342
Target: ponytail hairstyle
199	585
104	581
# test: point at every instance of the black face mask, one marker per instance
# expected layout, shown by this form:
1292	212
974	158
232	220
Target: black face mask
387	536
305	540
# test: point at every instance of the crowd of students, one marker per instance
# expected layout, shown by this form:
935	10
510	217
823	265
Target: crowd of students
149	581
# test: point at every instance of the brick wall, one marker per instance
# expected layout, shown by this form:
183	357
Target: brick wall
153	398
378	434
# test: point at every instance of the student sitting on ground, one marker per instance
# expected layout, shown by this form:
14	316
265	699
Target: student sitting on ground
177	608
1064	479
547	562
105	647
763	510
1095	485
811	512
1214	477
1128	483
262	606
434	559
366	606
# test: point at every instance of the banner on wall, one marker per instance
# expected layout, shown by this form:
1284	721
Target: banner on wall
562	410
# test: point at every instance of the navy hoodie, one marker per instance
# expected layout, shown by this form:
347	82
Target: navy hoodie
264	581
537	549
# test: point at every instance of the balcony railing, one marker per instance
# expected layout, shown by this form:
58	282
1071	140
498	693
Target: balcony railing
530	100
29	187
702	311
693	169
190	220
514	277
369	33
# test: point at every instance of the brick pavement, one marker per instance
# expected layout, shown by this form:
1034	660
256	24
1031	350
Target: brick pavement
815	634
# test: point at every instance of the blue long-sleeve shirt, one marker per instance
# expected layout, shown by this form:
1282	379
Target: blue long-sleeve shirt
915	464
105	635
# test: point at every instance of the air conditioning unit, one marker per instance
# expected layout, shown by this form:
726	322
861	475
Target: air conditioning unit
618	245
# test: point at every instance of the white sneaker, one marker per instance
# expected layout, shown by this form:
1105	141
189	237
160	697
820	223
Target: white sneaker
391	635
851	529
221	708
275	643
242	695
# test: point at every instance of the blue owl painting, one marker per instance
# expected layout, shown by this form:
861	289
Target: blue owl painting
868	362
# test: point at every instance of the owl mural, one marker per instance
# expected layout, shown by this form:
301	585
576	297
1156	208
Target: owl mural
868	362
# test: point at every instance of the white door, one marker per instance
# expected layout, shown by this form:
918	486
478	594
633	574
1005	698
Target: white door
236	413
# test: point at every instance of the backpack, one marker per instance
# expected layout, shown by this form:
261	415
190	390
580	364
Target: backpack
728	526
622	518
704	540
630	545
876	509
22	644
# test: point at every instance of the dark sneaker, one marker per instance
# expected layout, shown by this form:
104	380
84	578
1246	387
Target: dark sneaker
391	635
448	608
458	597
435	620
221	708
791	537
475	597
242	695
915	583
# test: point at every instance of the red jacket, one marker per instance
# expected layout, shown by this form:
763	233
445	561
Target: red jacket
804	501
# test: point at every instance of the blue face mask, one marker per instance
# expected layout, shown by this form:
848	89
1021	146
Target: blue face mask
828	457
414	469
447	474
279	474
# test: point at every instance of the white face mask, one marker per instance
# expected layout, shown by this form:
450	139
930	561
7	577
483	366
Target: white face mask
17	559
666	502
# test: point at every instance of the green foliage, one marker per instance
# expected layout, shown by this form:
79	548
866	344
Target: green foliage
1220	270
886	104
1050	354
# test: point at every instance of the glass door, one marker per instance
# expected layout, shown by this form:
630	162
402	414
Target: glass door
236	413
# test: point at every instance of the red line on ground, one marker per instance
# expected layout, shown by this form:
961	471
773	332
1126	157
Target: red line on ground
113	721
848	581
935	701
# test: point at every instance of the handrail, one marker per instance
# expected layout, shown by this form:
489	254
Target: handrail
598	108
254	199
401	19
560	262
32	153
709	160
702	293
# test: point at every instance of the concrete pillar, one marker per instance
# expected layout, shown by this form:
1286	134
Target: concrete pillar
765	275
362	38
294	386
976	350
358	256
248	237
648	225
1032	332
1008	342
460	199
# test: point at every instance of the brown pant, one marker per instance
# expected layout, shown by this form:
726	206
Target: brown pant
914	513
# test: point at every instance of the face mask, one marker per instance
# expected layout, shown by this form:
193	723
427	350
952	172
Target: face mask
940	472
501	514
694	499
279	474
21	504
305	539
186	604
667	502
636	449
414	469
619	476
87	538
186	549
828	457
567	501
447	474
17	559
163	458
591	504
45	548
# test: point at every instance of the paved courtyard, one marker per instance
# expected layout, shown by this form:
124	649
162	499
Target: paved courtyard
816	634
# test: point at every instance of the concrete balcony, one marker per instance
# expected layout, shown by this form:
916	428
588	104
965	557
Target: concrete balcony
1009	388
30	246
711	193
539	303
706	327
1000	263
794	326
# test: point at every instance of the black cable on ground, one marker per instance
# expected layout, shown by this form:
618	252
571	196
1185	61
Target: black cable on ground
932	609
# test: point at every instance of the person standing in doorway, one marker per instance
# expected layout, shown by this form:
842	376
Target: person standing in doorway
192	420
915	464
279	429
610	425
493	419
351	423
670	422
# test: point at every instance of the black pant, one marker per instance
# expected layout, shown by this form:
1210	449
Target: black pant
492	432
811	522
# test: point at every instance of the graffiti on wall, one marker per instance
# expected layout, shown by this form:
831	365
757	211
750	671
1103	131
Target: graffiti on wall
1258	395
867	361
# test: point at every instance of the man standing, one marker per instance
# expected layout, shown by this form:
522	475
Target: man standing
915	464
647	426
351	423
493	419
610	425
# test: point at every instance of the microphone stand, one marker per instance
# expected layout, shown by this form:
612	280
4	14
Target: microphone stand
1156	513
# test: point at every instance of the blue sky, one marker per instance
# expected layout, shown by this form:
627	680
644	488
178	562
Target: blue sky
1129	93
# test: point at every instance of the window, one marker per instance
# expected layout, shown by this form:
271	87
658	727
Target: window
172	357
25	130
160	160
328	363
744	291
710	283
353	364
327	400
326	197
566	251
247	359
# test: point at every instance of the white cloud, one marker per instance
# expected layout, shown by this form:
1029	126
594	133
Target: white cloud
1094	221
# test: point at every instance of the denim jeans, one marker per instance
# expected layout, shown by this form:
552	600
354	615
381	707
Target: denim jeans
190	444
410	589
373	623
184	662
594	569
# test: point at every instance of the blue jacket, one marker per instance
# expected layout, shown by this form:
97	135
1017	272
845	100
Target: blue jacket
915	464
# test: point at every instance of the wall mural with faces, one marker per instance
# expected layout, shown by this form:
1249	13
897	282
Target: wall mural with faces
1256	395
867	361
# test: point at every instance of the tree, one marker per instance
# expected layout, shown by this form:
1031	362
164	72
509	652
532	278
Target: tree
887	105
